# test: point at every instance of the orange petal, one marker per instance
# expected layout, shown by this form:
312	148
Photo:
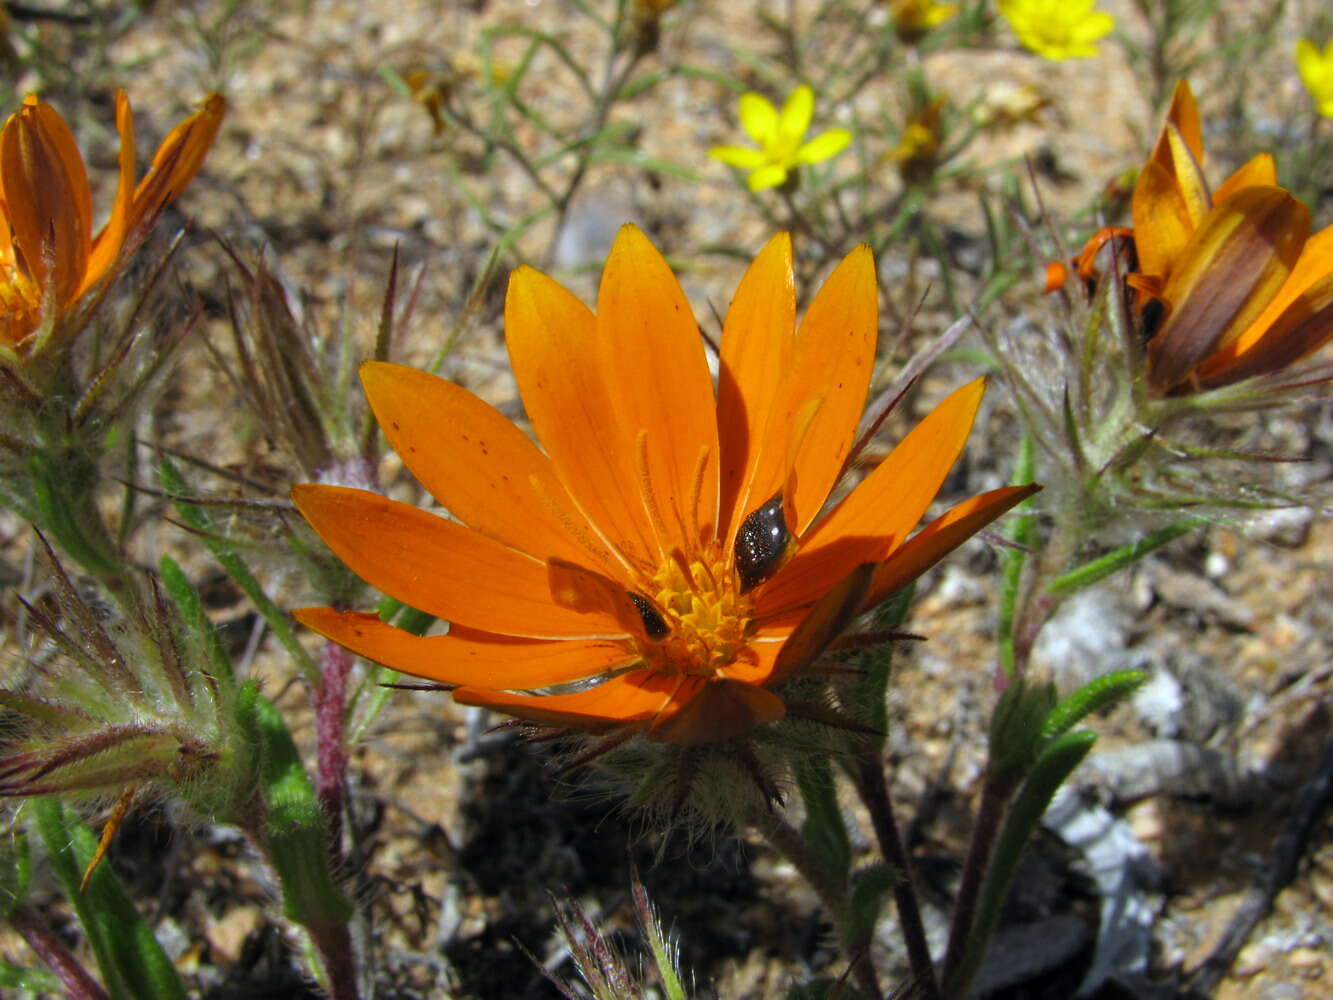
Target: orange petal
442	567
175	163
940	537
1260	171
1184	115
47	199
478	465
827	619
721	710
552	346
833	360
654	357
1230	271
586	591
757	339
466	656
1295	324
1162	224
881	511
634	697
109	242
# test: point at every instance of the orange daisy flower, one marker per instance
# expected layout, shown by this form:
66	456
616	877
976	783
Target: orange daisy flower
663	566
49	257
1232	284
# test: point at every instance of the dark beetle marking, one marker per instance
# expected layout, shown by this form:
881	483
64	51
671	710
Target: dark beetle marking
761	544
654	626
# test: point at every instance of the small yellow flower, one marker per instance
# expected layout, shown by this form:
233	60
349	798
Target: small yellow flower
913	19
779	135
1057	29
1316	70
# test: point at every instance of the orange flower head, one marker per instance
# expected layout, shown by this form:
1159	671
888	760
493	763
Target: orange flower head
1231	283
49	257
662	567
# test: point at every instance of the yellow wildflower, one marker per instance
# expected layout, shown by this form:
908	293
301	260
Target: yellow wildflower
779	135
1316	70
1057	29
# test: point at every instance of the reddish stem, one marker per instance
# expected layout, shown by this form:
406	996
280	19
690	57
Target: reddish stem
330	700
78	983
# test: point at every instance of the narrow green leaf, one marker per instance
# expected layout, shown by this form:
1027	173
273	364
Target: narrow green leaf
1055	764
1103	566
869	887
823	829
1091	697
133	964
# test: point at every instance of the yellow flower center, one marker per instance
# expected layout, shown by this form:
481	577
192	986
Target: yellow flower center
20	305
705	614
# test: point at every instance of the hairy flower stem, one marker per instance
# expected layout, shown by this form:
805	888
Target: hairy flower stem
995	795
1037	604
330	700
78	983
787	841
874	792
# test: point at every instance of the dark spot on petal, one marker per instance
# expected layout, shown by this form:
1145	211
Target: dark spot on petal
761	544
654	625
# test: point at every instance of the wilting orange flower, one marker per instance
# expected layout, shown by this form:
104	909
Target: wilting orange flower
1231	282
49	257
662	566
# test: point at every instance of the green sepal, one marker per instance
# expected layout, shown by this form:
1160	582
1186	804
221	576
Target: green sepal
294	828
132	962
191	607
823	829
1091	697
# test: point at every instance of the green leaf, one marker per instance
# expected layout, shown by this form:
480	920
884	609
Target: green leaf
871	691
1057	761
869	887
823	829
1102	567
16	977
1091	697
133	964
1016	725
